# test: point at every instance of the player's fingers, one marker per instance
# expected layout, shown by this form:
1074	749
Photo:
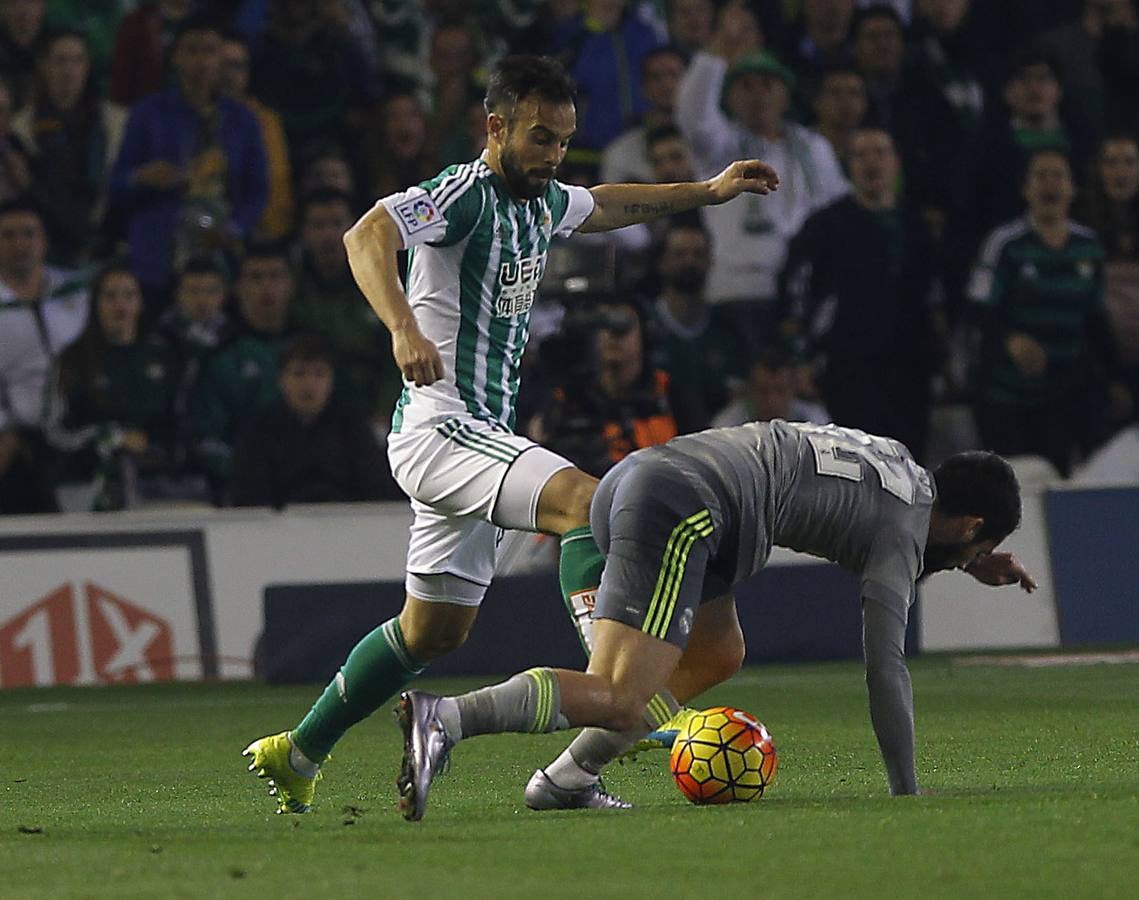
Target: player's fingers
760	169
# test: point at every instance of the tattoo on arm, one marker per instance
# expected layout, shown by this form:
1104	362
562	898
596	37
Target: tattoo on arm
648	209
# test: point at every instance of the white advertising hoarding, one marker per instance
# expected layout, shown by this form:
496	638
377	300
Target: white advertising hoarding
93	608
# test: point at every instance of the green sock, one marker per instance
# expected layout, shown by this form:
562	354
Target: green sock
378	666
579	571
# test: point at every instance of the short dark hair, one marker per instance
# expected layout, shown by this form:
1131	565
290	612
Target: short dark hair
663	50
1051	149
195	22
773	358
665	132
980	483
676	223
307	348
516	77
117	265
322	196
877	11
265	250
1029	55
839	67
50	36
1115	133
201	265
22	203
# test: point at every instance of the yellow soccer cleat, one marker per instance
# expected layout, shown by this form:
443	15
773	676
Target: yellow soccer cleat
293	791
662	738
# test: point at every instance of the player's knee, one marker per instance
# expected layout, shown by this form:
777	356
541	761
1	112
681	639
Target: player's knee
729	660
425	644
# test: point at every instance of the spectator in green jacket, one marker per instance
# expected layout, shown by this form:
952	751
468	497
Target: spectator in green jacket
309	448
240	379
112	420
194	327
328	302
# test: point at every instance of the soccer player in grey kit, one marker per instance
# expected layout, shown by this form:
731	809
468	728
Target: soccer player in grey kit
680	524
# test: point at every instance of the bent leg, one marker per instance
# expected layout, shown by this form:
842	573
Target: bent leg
379	666
544	492
628	667
564	501
714	653
563	509
715	650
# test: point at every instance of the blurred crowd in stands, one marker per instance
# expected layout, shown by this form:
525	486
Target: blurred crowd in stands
952	258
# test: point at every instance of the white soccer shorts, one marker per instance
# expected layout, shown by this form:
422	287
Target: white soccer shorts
467	480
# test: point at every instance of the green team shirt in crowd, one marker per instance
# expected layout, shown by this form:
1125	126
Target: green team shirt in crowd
132	388
476	256
237	381
1049	294
366	374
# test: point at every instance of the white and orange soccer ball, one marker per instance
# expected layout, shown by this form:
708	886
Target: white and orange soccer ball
723	755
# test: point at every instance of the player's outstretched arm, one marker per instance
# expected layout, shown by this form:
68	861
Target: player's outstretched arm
372	246
618	205
890	692
1000	569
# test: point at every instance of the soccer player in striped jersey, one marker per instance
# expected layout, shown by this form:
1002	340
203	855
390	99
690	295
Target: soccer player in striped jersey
477	237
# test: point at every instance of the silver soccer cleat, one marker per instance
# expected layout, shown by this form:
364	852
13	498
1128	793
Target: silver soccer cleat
426	750
541	793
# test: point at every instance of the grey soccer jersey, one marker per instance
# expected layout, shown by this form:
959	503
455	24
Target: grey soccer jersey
476	257
838	493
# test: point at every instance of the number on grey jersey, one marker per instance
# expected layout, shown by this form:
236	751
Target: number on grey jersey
840	452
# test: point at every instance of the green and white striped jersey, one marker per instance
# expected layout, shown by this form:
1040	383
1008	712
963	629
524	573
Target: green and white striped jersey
476	257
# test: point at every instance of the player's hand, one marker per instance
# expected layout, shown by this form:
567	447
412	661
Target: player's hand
748	176
1026	353
418	359
998	569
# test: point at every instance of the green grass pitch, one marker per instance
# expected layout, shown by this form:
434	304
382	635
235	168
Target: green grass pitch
141	792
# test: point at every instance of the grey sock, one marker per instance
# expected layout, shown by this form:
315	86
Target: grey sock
528	702
592	750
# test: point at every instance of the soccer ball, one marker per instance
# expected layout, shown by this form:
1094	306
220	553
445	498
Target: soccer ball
723	755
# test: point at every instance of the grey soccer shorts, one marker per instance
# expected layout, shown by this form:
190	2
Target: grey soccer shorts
658	537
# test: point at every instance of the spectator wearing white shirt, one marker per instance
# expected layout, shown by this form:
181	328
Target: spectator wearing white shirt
42	310
733	101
